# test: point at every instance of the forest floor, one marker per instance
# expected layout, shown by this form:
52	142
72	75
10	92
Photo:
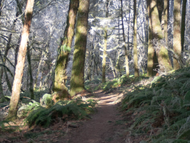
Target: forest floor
127	111
106	125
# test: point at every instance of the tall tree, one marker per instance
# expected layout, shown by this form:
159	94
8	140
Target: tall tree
155	14
170	28
152	58
124	39
77	74
135	50
184	2
63	52
21	59
105	47
30	72
177	35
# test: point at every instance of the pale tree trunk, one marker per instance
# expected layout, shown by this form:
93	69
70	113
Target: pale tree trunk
135	50
112	67
164	21
177	35
105	49
77	74
39	67
20	61
63	53
170	29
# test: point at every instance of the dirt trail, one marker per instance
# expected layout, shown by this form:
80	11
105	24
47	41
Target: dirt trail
105	125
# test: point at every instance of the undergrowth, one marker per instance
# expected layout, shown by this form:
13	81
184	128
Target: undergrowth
64	110
162	108
119	82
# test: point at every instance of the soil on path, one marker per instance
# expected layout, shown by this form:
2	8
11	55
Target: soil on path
105	125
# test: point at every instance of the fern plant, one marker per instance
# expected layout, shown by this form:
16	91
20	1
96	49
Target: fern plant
163	104
75	109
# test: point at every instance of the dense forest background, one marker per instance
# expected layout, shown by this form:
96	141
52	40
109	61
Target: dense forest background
107	40
59	59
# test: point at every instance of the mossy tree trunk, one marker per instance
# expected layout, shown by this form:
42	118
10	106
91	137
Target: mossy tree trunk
156	34
21	60
135	50
77	75
152	58
161	51
64	50
124	38
177	35
104	57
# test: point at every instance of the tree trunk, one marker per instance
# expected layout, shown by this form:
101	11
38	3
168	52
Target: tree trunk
177	35
183	23
156	34
170	29
164	21
104	57
21	59
77	75
30	73
124	38
105	48
135	50
63	52
152	58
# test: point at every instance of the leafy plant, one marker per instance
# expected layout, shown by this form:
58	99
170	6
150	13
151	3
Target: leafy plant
75	109
46	100
25	108
163	104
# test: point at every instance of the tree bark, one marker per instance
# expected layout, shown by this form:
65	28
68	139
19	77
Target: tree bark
105	48
156	34
135	50
30	73
104	57
77	75
177	35
183	23
63	52
124	38
152	58
21	60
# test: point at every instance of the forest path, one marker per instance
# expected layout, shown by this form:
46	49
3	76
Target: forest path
105	125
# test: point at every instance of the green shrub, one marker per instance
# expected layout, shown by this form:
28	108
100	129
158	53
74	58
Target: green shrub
164	104
74	109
